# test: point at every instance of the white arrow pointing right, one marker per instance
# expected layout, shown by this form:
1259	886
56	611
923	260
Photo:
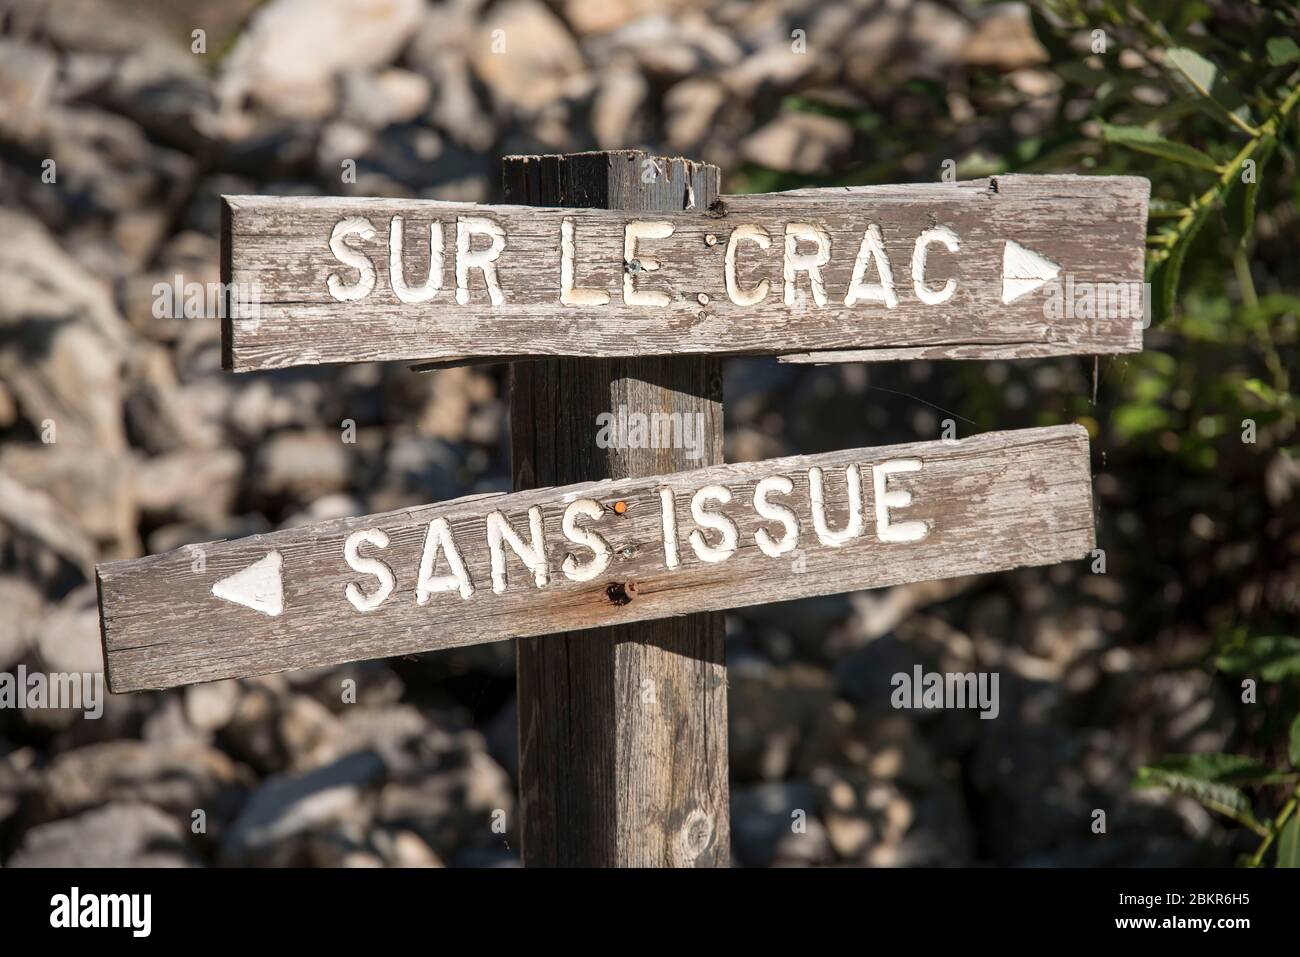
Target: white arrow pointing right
1024	270
257	587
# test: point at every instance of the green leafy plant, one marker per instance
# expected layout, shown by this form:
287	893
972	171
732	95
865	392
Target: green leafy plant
1183	94
1219	781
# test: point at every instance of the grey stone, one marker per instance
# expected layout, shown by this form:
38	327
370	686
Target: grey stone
64	339
286	807
799	143
525	55
404	849
92	485
27	80
24	609
43	542
117	835
300	465
617	112
211	705
809	847
68	639
691	108
391	95
288	58
188	486
770	709
1003	38
762	815
179	777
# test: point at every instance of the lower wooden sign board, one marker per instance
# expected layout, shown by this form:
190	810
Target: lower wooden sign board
492	567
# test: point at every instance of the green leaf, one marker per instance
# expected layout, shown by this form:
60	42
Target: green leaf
1200	73
1272	657
1147	141
1206	82
1295	742
1172	270
1288	844
1243	197
1159	206
1179	15
1266	147
1266	393
1268	310
1261	390
1215	767
1223	798
1081	73
1282	50
1159	363
1134	419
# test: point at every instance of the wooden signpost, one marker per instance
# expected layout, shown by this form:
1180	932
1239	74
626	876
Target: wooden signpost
890	272
610	562
562	559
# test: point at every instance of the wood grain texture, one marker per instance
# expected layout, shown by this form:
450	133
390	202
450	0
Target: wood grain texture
993	501
1092	227
622	730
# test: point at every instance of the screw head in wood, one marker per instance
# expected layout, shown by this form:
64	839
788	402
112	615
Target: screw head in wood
621	593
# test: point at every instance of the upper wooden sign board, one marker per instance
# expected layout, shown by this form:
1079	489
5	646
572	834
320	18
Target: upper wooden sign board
556	560
1006	267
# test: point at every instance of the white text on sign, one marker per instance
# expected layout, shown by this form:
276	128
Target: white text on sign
715	538
806	250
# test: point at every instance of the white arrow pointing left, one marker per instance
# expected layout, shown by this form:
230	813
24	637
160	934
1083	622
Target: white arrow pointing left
257	587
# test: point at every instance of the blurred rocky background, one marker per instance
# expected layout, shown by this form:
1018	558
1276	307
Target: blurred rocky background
119	128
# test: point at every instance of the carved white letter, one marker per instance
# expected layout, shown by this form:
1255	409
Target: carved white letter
633	264
811	263
896	498
586	538
780	485
351	257
668	510
500	531
397	269
485	259
439	536
872	246
817	493
755	295
715	521
371	566
569	295
936	234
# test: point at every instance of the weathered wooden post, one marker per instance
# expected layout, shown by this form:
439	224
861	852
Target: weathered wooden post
622	730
